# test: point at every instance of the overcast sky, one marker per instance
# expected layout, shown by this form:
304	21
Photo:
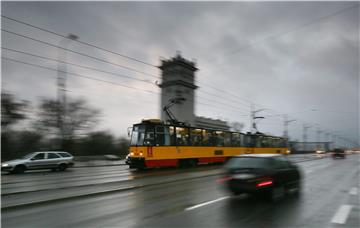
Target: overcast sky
295	58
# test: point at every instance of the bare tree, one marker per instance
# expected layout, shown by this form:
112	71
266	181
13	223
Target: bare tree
65	123
236	126
12	110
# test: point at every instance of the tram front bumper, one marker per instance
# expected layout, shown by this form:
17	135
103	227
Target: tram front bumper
135	161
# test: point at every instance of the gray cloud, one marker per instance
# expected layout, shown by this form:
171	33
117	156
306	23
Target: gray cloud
287	56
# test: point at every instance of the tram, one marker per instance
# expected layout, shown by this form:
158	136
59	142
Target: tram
158	144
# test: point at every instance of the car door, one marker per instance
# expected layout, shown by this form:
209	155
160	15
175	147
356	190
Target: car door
283	171
38	161
53	159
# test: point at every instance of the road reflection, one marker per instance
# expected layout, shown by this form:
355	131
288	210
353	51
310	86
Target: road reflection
254	211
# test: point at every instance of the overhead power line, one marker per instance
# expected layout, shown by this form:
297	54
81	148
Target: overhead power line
102	60
101	80
77	65
77	75
102	71
78	53
78	41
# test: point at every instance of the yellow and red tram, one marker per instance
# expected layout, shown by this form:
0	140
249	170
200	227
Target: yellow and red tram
155	144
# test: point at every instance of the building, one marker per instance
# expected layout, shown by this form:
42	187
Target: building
178	93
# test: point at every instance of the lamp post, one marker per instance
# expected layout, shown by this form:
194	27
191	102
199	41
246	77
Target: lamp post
61	86
253	118
61	73
286	124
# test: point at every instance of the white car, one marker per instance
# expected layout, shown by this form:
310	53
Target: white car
54	160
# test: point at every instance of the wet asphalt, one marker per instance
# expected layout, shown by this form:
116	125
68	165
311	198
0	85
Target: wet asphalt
179	198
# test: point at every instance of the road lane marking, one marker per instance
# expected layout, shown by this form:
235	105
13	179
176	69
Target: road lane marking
206	203
341	214
353	191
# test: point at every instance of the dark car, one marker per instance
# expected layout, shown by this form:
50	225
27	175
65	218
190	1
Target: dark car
338	153
270	175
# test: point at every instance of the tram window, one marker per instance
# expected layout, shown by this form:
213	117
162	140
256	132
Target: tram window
250	140
270	142
205	138
149	136
242	140
195	137
160	138
227	139
138	135
219	138
275	142
182	136
236	139
258	141
168	136
134	136
141	136
208	138
282	143
265	141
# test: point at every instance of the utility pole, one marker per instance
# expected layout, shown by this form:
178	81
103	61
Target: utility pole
334	140
61	73
253	117
318	138
305	128
61	86
286	123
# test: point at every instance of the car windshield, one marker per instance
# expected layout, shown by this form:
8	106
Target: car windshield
247	162
28	155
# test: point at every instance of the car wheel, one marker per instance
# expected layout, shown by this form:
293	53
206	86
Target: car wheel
62	167
19	169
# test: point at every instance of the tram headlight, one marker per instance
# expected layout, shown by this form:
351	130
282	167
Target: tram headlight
132	154
141	154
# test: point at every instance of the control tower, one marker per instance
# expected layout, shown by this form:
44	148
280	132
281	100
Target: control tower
178	82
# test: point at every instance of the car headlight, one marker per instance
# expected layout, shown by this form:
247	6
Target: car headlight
4	165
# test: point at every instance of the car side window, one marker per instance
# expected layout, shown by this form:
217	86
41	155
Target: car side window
63	154
52	156
39	156
281	163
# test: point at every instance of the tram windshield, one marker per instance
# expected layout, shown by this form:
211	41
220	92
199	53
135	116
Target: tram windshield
152	135
138	135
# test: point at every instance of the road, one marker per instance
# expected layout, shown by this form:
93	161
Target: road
115	196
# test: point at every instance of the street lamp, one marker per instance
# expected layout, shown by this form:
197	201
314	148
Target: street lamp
286	123
61	73
254	123
61	85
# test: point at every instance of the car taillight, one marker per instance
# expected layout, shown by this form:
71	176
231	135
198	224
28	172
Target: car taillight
224	179
264	183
